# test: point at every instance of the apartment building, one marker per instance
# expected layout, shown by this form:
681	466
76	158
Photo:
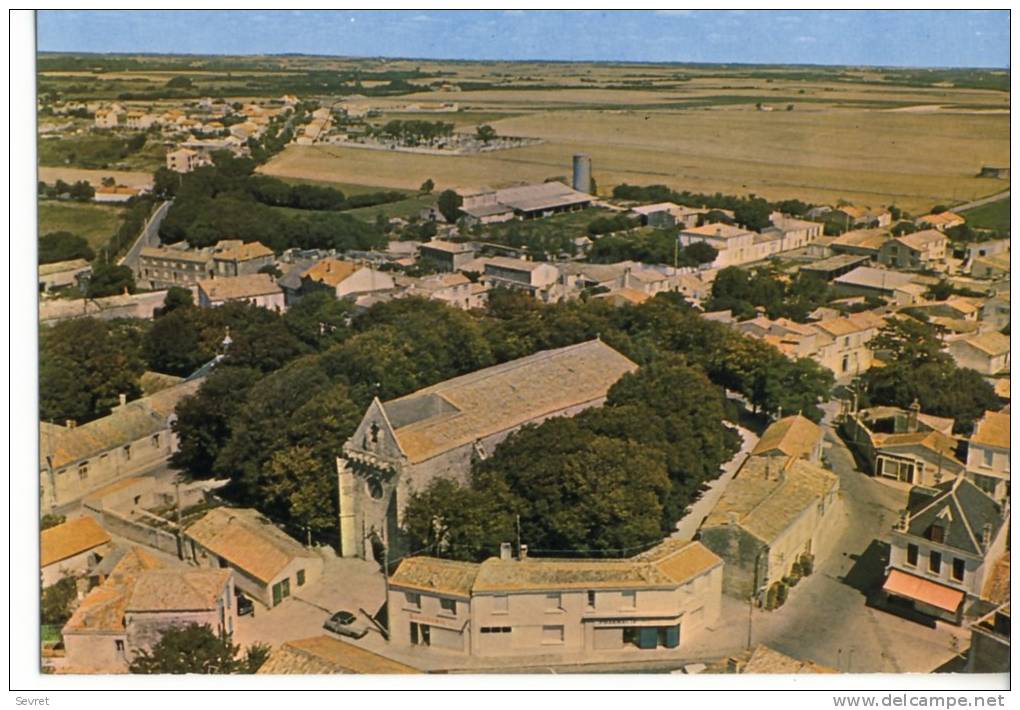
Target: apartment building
988	454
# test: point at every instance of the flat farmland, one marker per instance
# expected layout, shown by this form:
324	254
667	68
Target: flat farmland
96	223
130	178
911	158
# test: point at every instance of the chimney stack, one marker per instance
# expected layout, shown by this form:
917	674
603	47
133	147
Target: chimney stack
70	423
123	399
915	409
904	520
505	551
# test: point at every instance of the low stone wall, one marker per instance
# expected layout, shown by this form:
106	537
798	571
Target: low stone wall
135	530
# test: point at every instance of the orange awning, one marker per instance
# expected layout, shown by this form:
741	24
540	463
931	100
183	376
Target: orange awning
923	590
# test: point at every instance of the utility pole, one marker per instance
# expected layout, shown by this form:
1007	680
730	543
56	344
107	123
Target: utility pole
180	530
518	536
750	614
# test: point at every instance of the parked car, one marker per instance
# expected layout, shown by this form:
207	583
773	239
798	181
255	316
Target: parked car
245	605
346	624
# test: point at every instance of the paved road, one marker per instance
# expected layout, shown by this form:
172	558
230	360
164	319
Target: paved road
149	237
983	201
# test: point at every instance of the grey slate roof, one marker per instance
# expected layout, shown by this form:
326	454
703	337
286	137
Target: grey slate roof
962	509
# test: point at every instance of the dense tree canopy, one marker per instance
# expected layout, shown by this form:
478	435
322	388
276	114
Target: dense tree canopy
196	648
741	292
63	246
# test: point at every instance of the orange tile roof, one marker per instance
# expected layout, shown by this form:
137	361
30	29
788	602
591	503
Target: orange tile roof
69	539
331	271
992	430
793	436
327	655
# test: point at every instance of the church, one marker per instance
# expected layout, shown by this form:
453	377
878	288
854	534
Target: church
403	444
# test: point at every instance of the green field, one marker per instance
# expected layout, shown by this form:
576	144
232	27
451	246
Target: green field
994	215
97	223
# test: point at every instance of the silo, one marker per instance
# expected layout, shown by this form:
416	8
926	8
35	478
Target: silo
582	172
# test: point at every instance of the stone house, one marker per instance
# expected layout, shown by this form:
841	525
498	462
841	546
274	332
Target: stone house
535	277
918	251
257	289
940	221
843	342
791	437
775	513
267	564
76	272
446	256
345	279
69	548
988	353
995	266
403	444
944	546
76	460
233	257
140	598
184	160
162	267
988	455
734	245
507	607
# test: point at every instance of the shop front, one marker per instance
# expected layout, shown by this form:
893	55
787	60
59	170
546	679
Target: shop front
925	596
623	633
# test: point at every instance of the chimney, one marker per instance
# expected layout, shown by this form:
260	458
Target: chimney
904	520
123	399
505	551
70	424
524	552
915	409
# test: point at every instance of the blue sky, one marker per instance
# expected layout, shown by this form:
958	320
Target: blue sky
888	38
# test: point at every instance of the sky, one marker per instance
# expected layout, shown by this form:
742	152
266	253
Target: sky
947	38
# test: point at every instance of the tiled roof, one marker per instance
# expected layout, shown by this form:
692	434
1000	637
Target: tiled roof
177	590
540	196
962	509
327	655
997	587
862	238
448	247
940	218
935	441
767	496
919	241
153	382
62	266
793	436
992	342
432	574
248	541
767	660
870	277
331	271
69	539
124	425
233	287
508	395
992	430
243	252
666	566
102	609
718	230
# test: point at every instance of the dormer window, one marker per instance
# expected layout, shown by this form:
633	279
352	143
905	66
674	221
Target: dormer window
936	533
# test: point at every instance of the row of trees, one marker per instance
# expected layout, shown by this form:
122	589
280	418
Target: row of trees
415	132
650	247
80	191
750	211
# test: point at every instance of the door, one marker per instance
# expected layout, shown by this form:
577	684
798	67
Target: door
420	635
277	594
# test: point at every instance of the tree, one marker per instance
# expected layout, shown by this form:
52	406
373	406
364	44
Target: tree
188	649
427	187
179	82
449	203
63	246
57	599
110	280
485	133
50	520
176	297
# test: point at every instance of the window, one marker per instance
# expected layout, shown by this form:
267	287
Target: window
448	605
591	600
127	452
912	555
300	577
496	629
552	634
155	441
936	533
935	562
629	600
83	471
989	458
413	599
501	603
119	645
554	602
959	568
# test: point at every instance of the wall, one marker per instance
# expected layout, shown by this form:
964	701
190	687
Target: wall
121	525
51	574
96	652
740	552
988	653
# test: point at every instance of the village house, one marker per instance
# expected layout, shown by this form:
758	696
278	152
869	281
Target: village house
184	160
735	245
623	297
75	460
794	233
403	444
904	445
455	290
134	305
791	437
988	455
834	266
106	118
535	277
944	546
843	342
141	598
267	564
940	221
995	266
61	274
793	339
258	289
508	607
140	120
860	242
772	519
70	548
892	286
850	216
345	279
667	214
995	311
988	353
163	267
446	256
325	655
234	257
924	250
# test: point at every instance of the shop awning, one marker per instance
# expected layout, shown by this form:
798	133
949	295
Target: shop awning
923	590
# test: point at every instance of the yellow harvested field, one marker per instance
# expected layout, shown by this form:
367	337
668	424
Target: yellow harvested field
50	175
874	157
